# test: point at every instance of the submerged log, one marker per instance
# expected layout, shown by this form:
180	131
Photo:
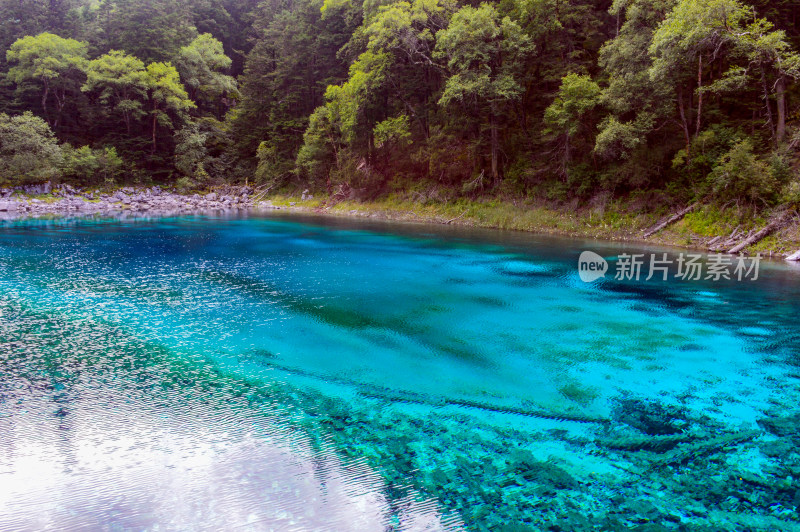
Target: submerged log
393	395
669	221
759	235
657	444
689	452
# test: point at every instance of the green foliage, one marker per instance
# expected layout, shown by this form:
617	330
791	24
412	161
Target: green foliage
167	97
190	150
29	152
292	62
742	175
53	62
321	147
483	53
152	30
45	57
626	62
394	129
330	6
691	27
561	100
94	166
185	184
617	140
706	149
120	82
203	66
578	95
165	89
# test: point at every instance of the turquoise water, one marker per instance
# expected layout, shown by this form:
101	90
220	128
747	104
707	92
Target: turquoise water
317	374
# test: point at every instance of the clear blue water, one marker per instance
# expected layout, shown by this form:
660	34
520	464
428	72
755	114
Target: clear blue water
317	374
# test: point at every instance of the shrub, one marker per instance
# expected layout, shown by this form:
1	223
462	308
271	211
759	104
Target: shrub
29	152
742	175
88	165
184	184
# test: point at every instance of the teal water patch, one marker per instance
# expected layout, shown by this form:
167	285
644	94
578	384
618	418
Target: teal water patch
388	376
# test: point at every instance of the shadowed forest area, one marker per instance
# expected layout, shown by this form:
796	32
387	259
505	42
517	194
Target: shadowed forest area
667	101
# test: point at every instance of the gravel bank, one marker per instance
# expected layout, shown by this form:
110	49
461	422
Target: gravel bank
65	200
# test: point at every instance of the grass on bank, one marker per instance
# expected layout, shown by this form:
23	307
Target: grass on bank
615	220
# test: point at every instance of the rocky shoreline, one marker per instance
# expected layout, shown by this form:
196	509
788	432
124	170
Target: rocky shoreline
64	200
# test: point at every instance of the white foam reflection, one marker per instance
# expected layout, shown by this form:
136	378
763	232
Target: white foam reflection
122	465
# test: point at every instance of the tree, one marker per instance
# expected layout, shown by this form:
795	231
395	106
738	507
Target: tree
406	32
19	18
29	152
742	175
319	152
770	53
92	166
121	82
203	66
707	31
152	30
482	53
53	61
166	95
626	61
693	33
578	95
286	74
230	21
350	113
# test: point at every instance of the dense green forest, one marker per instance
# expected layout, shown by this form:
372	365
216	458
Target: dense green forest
559	99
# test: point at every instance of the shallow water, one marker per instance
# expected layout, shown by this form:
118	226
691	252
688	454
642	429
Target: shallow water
319	374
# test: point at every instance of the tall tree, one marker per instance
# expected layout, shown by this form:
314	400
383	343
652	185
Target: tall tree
483	53
52	61
567	115
167	97
29	152
636	101
292	62
120	81
707	32
203	66
152	30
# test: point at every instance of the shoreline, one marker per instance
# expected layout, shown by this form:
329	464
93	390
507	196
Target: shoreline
615	224
64	200
543	221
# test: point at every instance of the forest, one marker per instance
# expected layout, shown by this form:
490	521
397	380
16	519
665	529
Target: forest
666	100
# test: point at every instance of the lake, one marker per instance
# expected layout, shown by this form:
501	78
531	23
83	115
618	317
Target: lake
314	373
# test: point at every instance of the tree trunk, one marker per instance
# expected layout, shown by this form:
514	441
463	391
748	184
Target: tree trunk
44	101
766	103
155	127
780	93
699	94
60	101
371	149
685	125
495	142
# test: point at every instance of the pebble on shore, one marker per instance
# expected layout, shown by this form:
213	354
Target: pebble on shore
70	201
